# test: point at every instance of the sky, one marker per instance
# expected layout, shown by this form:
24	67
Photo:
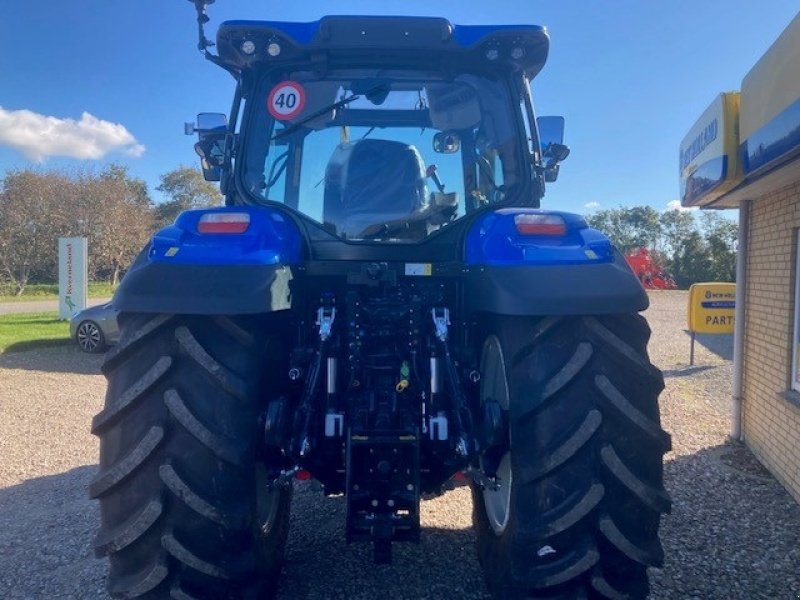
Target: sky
116	80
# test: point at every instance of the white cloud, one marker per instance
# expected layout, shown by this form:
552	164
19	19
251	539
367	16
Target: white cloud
590	206
676	205
39	136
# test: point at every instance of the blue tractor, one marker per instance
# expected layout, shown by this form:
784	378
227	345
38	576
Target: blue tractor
380	305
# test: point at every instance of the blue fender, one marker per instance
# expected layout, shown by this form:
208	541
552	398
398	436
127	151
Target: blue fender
189	271
566	268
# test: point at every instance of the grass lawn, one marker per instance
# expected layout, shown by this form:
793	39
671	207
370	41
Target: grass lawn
25	331
49	291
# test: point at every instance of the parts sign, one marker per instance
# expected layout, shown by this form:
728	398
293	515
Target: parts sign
286	100
712	307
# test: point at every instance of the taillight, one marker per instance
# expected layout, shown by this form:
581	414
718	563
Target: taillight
224	222
540	224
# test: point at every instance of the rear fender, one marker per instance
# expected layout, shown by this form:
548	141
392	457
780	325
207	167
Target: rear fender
574	271
185	271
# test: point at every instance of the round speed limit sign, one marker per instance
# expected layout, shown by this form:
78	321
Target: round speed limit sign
286	100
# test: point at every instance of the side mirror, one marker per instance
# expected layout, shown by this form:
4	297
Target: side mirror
557	152
211	150
551	139
211	147
446	142
551	131
551	173
211	121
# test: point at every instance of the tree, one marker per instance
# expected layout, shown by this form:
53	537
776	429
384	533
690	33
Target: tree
120	220
186	189
628	228
691	254
110	208
721	236
676	226
691	262
31	218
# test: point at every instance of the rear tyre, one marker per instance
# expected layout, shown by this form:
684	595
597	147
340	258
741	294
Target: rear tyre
185	512
581	487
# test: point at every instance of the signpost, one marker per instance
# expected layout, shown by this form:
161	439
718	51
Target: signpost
72	276
711	310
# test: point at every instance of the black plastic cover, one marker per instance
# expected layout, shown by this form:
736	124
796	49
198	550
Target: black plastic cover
155	287
594	289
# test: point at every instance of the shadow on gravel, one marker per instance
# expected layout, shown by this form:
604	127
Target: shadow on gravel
686	371
65	358
46	528
320	565
36	344
719	344
732	533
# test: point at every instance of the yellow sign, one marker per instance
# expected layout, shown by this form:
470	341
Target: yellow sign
711	307
709	154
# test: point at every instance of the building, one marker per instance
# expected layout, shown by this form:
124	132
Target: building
744	152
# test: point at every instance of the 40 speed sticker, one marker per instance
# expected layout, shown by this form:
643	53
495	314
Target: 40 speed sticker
286	100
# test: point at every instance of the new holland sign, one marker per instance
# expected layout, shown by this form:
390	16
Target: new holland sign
72	276
711	307
709	154
711	310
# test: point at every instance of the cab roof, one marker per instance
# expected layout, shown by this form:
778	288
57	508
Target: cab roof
390	42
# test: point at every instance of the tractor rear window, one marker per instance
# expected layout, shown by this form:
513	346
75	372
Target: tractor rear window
382	157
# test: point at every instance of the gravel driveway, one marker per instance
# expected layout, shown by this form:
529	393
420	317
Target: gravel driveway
734	533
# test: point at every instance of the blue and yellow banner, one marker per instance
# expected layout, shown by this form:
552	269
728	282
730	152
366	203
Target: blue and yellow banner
709	153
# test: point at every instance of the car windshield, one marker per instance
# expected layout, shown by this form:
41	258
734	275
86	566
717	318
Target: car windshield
385	156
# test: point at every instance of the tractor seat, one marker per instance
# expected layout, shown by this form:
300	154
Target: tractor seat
373	185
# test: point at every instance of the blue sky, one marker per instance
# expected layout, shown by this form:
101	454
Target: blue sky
630	76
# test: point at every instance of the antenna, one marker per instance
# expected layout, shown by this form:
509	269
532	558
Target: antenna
203	43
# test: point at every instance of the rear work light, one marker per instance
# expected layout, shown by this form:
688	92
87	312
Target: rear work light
223	222
539	224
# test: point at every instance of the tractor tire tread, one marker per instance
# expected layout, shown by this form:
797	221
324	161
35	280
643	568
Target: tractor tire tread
561	453
577	510
131	339
587	452
177	479
226	449
108	416
644	556
106	480
657	500
634	415
114	540
226	379
229	518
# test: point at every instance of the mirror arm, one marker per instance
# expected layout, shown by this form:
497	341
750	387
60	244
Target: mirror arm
203	43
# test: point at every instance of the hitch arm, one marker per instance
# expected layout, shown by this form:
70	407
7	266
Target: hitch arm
302	443
461	413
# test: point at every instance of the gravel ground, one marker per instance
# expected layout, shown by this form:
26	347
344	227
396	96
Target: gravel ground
733	534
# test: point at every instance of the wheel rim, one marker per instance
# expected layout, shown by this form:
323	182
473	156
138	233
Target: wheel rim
498	502
494	386
268	503
89	336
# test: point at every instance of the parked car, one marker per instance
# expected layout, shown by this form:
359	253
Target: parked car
95	328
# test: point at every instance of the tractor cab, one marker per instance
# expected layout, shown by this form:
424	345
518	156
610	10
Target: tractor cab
383	129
